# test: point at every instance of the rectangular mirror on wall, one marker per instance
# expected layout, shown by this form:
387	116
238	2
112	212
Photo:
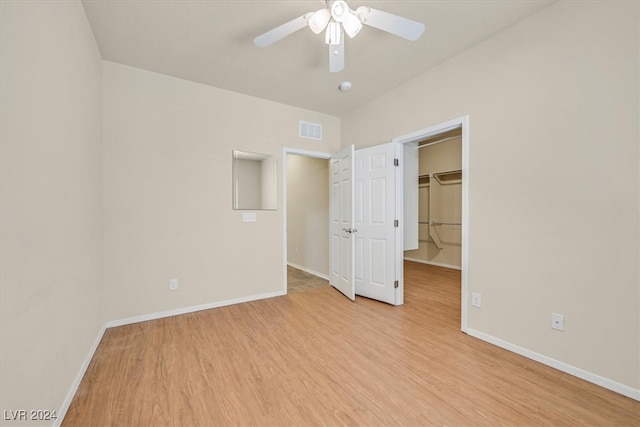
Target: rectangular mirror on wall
255	181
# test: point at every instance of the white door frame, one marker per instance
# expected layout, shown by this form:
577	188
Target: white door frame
285	152
422	134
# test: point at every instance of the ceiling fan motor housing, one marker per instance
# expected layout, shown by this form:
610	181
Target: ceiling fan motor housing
339	10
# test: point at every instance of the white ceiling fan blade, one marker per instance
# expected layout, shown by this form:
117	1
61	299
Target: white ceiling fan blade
282	31
394	24
336	56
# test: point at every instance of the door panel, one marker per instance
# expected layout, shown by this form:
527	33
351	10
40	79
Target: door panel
378	189
341	222
378	270
375	209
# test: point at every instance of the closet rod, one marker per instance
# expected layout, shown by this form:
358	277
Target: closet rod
434	223
447	173
438	141
437	174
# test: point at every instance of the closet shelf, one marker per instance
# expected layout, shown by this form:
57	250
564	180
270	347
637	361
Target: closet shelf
455	172
433	183
444	178
450	177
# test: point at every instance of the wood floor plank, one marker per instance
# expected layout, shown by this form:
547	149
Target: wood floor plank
316	358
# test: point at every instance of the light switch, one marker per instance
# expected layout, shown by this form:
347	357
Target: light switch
248	217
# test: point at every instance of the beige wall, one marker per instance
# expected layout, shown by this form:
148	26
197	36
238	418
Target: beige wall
442	157
167	174
308	213
51	201
553	156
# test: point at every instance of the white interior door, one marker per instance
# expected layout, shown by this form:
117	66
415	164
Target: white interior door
341	228
377	237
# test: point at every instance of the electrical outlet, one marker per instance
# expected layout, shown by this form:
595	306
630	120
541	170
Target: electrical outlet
476	299
173	284
557	321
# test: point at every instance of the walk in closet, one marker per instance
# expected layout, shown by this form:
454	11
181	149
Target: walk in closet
439	201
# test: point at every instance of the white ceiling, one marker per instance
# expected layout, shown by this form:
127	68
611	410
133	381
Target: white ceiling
211	42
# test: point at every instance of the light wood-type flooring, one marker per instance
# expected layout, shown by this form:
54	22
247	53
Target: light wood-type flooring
315	358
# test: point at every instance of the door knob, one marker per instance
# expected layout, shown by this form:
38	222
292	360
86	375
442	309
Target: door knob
350	230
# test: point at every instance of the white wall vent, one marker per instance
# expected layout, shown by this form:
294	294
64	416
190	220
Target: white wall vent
310	130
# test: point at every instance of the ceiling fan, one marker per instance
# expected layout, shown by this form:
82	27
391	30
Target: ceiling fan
338	18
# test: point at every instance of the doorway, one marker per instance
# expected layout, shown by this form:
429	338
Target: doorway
306	219
439	201
364	200
456	128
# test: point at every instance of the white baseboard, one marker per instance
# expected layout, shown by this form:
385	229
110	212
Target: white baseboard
64	407
191	309
306	270
561	366
437	264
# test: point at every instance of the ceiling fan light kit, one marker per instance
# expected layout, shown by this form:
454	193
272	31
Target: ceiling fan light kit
319	20
352	25
338	18
339	10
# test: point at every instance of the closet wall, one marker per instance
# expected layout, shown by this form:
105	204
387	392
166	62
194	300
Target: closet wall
308	214
440	205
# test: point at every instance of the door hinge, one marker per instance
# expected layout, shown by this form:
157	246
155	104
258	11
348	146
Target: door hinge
396	284
396	162
396	223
